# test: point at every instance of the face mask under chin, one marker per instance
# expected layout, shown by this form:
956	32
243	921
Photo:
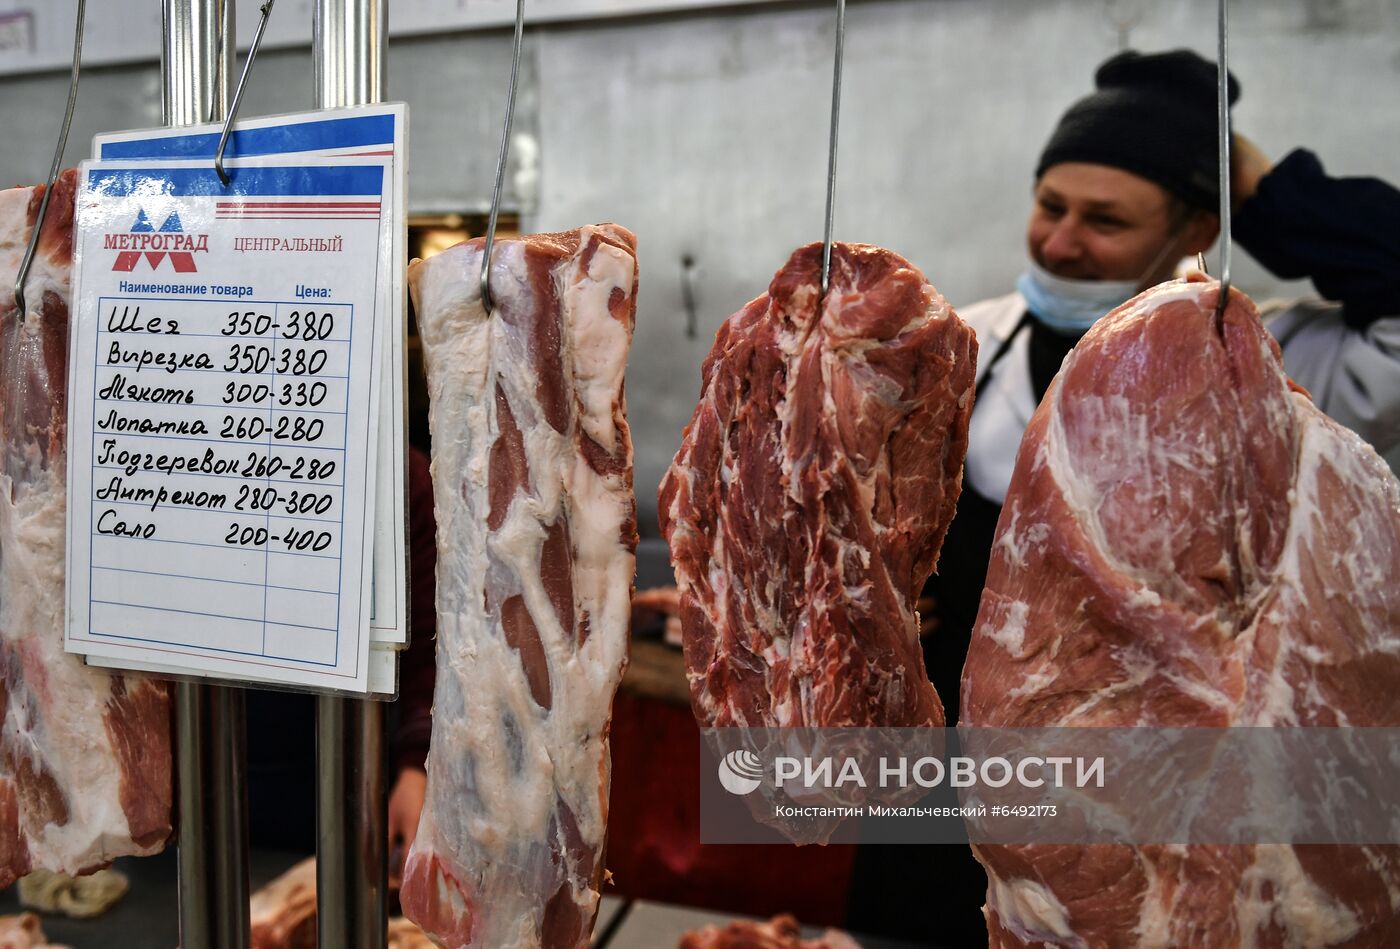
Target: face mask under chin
1070	306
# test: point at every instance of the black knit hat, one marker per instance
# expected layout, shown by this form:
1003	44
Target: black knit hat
1154	115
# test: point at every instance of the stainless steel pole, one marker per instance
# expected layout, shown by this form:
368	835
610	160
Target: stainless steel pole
352	866
348	51
196	60
196	68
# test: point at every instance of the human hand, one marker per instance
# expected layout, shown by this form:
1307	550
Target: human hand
405	807
1248	165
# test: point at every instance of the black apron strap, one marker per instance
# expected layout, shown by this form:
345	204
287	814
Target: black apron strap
1000	353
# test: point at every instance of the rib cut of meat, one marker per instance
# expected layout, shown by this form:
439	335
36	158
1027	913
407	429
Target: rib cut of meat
84	754
536	522
1187	541
810	496
780	932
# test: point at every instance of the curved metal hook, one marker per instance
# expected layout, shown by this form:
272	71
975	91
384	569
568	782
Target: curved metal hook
238	93
501	159
28	259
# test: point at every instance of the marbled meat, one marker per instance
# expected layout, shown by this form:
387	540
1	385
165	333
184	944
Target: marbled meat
1188	541
810	496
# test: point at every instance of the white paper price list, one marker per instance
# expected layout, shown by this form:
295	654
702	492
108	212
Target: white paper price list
219	438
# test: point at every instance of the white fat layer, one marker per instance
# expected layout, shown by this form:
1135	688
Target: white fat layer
1018	542
503	772
600	341
1032	912
1010	634
1308	914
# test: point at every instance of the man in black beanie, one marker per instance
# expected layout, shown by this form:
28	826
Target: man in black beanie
1126	187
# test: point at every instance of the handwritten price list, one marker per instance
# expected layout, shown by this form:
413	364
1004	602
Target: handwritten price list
219	437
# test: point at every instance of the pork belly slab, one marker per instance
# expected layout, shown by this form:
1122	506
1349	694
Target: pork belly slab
536	522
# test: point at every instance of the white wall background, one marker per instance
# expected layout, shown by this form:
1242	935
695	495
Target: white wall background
705	133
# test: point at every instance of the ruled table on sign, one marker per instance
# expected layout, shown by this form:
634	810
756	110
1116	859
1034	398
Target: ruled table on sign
223	407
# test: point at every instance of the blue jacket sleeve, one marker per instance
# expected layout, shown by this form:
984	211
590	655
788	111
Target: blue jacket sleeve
1342	233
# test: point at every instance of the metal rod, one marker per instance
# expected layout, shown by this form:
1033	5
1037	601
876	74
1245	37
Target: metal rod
196	53
28	260
213	852
352	843
501	158
347	51
831	145
1223	103
352	848
210	720
238	93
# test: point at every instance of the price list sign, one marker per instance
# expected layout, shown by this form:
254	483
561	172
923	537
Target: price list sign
355	132
223	412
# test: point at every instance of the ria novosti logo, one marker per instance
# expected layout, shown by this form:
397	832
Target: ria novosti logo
741	772
143	240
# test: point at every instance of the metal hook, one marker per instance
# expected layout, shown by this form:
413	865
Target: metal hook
28	260
266	11
831	145
501	159
1223	104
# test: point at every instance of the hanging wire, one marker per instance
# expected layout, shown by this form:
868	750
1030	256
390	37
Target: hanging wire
1223	104
501	158
831	145
28	260
238	93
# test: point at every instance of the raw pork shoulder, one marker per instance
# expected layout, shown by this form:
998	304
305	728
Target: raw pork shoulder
1188	542
811	493
536	522
84	754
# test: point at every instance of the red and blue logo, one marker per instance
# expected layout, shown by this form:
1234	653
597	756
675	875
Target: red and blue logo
170	242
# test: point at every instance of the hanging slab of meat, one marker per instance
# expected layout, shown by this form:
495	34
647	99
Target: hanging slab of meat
1189	541
780	932
84	755
536	524
807	504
